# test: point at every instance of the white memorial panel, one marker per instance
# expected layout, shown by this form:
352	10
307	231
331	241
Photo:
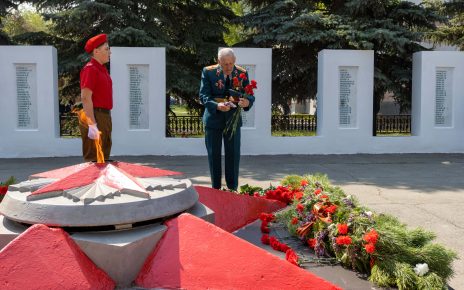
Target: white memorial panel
248	117
138	96
443	96
348	95
26	96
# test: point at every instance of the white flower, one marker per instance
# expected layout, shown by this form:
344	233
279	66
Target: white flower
368	213
421	269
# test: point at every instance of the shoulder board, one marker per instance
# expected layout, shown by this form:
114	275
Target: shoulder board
211	67
240	68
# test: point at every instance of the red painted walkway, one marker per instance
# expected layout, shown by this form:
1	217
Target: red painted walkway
233	211
194	254
45	258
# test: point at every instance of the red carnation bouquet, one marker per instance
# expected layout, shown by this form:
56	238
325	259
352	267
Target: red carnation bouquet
238	91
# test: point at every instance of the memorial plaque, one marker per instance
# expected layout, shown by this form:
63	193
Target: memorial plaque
138	96
248	118
26	95
347	96
443	96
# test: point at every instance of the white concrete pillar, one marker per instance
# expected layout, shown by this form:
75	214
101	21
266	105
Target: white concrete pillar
29	117
257	125
438	99
139	98
345	94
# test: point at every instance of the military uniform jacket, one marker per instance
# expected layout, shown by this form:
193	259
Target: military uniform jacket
213	86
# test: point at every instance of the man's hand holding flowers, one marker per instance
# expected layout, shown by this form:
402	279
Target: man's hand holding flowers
243	102
223	106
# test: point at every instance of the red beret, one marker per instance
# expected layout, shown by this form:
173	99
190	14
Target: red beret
95	42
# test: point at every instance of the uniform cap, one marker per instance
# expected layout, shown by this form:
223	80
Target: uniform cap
95	42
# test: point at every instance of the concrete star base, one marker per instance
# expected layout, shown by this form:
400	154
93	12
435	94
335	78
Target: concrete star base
194	254
46	258
120	254
202	211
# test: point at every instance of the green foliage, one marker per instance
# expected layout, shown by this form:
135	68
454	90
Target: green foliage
236	32
25	21
398	249
250	190
452	31
293	133
431	282
191	31
11	180
298	30
293	181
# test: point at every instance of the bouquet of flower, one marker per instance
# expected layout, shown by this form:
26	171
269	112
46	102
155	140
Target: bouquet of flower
336	227
238	91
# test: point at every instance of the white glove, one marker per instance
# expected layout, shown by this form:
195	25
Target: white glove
93	134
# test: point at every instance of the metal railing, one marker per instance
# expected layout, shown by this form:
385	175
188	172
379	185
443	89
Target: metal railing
393	124
294	123
184	126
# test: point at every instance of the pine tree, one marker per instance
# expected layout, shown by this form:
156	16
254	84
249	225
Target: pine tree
298	30
190	30
452	31
5	7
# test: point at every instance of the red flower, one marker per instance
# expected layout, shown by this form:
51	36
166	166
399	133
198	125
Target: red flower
343	240
268	217
284	247
256	194
342	229
299	207
253	84
298	195
370	248
331	209
275	244
265	239
264	228
371	237
3	189
317	191
291	256
243	76
236	82
312	243
294	221
249	90
304	182
324	196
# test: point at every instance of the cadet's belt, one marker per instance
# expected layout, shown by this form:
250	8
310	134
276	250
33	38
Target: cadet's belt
106	111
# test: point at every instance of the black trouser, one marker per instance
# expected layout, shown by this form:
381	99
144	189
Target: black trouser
213	141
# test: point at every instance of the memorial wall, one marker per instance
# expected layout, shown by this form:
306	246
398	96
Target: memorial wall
29	117
248	117
438	99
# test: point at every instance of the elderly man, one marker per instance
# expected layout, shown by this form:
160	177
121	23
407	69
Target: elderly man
97	98
215	84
